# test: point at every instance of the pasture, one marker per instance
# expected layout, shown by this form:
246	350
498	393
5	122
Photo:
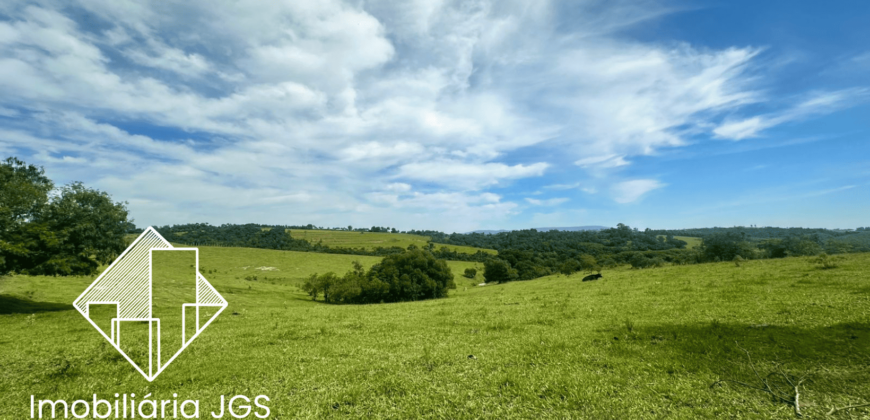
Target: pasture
372	240
635	344
691	242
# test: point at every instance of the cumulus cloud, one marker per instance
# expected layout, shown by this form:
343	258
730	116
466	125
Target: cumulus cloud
467	175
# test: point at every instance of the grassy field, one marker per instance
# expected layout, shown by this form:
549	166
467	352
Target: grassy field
372	240
367	240
636	344
691	242
466	249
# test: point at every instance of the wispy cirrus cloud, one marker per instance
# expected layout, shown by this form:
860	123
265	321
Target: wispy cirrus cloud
631	191
816	104
547	202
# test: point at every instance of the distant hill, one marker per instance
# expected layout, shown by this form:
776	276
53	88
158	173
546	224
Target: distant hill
545	229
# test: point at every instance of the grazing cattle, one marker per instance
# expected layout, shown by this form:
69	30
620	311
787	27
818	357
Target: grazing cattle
592	277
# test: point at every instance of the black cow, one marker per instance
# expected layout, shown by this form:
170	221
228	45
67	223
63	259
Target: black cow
592	277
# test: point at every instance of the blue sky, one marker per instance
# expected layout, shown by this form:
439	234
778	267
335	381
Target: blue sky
448	115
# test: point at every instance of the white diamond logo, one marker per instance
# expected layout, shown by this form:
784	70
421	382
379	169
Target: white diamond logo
151	303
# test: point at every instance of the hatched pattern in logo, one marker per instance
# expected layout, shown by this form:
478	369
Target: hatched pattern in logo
149	327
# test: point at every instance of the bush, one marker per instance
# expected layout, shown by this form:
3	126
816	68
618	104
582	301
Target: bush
589	262
725	246
411	275
470	273
499	271
570	266
640	260
825	262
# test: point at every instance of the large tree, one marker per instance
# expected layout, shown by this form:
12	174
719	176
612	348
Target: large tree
412	275
499	271
70	233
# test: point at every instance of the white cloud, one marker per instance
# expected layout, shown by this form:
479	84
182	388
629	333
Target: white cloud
818	103
466	175
562	186
630	191
166	58
742	129
362	111
607	161
398	187
549	202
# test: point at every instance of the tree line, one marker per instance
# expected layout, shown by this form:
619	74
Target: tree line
45	230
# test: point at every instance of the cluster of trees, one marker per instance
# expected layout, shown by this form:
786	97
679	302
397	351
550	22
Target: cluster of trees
55	231
622	236
411	275
529	254
374	229
727	245
831	240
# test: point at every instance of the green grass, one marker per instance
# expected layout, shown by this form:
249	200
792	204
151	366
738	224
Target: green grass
465	249
636	344
691	241
372	240
367	240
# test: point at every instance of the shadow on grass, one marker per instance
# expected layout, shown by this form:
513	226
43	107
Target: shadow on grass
15	305
833	345
835	359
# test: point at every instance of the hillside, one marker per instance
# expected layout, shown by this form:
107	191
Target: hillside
372	240
367	240
691	242
636	344
546	229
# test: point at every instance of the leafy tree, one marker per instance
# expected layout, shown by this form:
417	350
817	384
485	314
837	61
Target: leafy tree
23	192
589	262
499	271
323	284
470	272
724	246
640	260
412	275
23	195
71	233
569	267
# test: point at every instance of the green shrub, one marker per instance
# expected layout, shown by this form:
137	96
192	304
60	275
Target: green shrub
499	271
825	261
411	275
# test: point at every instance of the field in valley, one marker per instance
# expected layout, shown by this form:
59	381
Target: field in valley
636	344
372	240
691	242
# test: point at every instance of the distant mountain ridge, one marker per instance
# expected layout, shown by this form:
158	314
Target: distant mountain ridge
545	229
